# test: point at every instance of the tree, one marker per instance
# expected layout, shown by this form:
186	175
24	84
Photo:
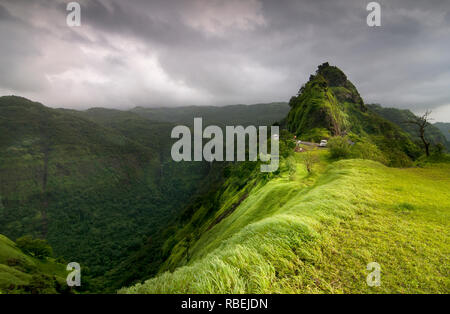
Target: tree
309	160
422	123
36	247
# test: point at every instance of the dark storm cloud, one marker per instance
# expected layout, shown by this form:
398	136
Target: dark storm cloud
202	52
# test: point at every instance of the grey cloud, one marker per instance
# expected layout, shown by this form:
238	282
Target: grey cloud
216	52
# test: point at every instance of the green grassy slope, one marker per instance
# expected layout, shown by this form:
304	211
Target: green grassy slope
21	273
302	233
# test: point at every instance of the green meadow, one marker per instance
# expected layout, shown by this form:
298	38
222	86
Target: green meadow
301	232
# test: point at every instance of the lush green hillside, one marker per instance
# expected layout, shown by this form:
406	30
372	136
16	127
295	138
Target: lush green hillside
400	118
329	105
22	273
94	191
146	261
444	128
296	232
101	187
100	184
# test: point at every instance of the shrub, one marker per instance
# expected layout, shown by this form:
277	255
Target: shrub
339	147
309	160
437	149
366	150
291	168
40	284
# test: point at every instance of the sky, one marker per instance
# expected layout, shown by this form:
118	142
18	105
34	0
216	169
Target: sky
216	52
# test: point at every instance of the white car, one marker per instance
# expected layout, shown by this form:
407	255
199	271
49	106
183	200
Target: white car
323	143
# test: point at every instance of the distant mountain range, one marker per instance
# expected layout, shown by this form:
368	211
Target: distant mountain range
436	133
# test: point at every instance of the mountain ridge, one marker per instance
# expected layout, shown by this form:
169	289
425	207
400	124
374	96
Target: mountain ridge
257	233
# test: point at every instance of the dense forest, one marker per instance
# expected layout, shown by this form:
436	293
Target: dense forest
98	184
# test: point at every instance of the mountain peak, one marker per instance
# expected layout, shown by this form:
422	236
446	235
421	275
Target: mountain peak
318	110
343	89
329	105
332	74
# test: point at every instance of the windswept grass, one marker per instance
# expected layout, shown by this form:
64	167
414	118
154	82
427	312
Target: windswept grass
317	233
